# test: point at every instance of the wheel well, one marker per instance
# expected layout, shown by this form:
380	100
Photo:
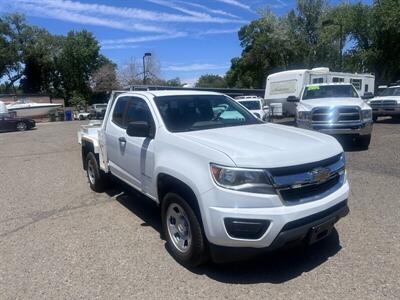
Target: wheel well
167	183
87	147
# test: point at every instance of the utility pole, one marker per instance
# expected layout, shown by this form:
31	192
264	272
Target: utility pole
147	54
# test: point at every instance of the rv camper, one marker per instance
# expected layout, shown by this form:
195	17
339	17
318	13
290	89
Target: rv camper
281	85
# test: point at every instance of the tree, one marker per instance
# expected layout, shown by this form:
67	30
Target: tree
105	78
14	37
132	73
78	60
39	58
174	82
275	43
211	81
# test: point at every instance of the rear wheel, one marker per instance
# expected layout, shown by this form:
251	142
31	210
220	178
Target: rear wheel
21	126
98	180
182	231
364	141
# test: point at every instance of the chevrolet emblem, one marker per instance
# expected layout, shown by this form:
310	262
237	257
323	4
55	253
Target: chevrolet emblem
320	175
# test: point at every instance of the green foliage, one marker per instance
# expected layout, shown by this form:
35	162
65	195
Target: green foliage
174	82
79	58
62	66
211	81
78	100
314	34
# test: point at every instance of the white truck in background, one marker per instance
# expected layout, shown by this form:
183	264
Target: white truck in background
336	109
387	103
280	86
228	184
255	105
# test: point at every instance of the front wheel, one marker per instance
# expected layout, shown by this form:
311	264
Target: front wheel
182	231
21	126
364	141
375	118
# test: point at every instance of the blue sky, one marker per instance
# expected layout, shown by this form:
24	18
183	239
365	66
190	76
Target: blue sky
188	37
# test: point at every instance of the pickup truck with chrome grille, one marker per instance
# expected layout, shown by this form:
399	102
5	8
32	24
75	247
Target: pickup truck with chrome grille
336	109
228	185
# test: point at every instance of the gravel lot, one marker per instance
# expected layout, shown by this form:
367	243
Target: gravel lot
59	240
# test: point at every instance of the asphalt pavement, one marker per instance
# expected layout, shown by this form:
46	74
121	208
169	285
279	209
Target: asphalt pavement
60	240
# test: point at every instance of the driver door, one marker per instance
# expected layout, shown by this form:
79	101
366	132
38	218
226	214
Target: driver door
139	152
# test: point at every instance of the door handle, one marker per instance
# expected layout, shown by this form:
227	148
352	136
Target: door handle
122	140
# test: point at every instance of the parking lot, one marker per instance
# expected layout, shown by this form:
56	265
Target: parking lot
58	239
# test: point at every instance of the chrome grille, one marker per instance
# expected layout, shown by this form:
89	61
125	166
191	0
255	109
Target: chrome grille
385	104
299	184
336	114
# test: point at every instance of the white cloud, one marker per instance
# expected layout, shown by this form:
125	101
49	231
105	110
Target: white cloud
129	42
219	31
194	67
237	4
116	11
175	5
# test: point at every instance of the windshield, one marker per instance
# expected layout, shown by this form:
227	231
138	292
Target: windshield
251	105
198	112
391	92
329	91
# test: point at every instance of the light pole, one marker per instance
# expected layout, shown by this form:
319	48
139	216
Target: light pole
144	66
333	23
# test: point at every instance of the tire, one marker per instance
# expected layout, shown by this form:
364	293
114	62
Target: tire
189	246
374	118
21	126
81	118
98	180
364	141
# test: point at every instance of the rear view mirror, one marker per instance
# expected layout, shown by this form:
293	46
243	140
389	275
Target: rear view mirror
368	95
292	99
138	129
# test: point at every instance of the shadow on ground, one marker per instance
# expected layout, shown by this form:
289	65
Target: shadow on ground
275	267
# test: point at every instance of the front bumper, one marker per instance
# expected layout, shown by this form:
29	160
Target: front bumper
292	233
386	111
356	128
217	205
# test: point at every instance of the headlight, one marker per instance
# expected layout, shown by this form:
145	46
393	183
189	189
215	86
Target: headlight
367	114
303	115
243	180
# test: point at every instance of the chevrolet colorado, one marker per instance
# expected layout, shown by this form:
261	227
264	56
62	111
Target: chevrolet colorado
224	180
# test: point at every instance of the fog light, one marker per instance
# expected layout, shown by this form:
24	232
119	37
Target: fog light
246	228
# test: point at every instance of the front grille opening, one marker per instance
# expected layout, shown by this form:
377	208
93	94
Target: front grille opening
343	114
310	192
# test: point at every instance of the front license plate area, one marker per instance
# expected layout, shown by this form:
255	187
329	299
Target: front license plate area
320	231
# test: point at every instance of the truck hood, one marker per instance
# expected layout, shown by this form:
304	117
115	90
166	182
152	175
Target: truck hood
267	145
396	98
310	104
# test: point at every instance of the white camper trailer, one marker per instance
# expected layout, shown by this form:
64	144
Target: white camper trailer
281	85
3	109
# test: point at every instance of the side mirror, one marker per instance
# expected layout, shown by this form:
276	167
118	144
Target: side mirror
292	99
138	129
368	95
266	107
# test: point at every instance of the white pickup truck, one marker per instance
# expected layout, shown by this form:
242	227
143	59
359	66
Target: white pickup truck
224	180
334	108
387	103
